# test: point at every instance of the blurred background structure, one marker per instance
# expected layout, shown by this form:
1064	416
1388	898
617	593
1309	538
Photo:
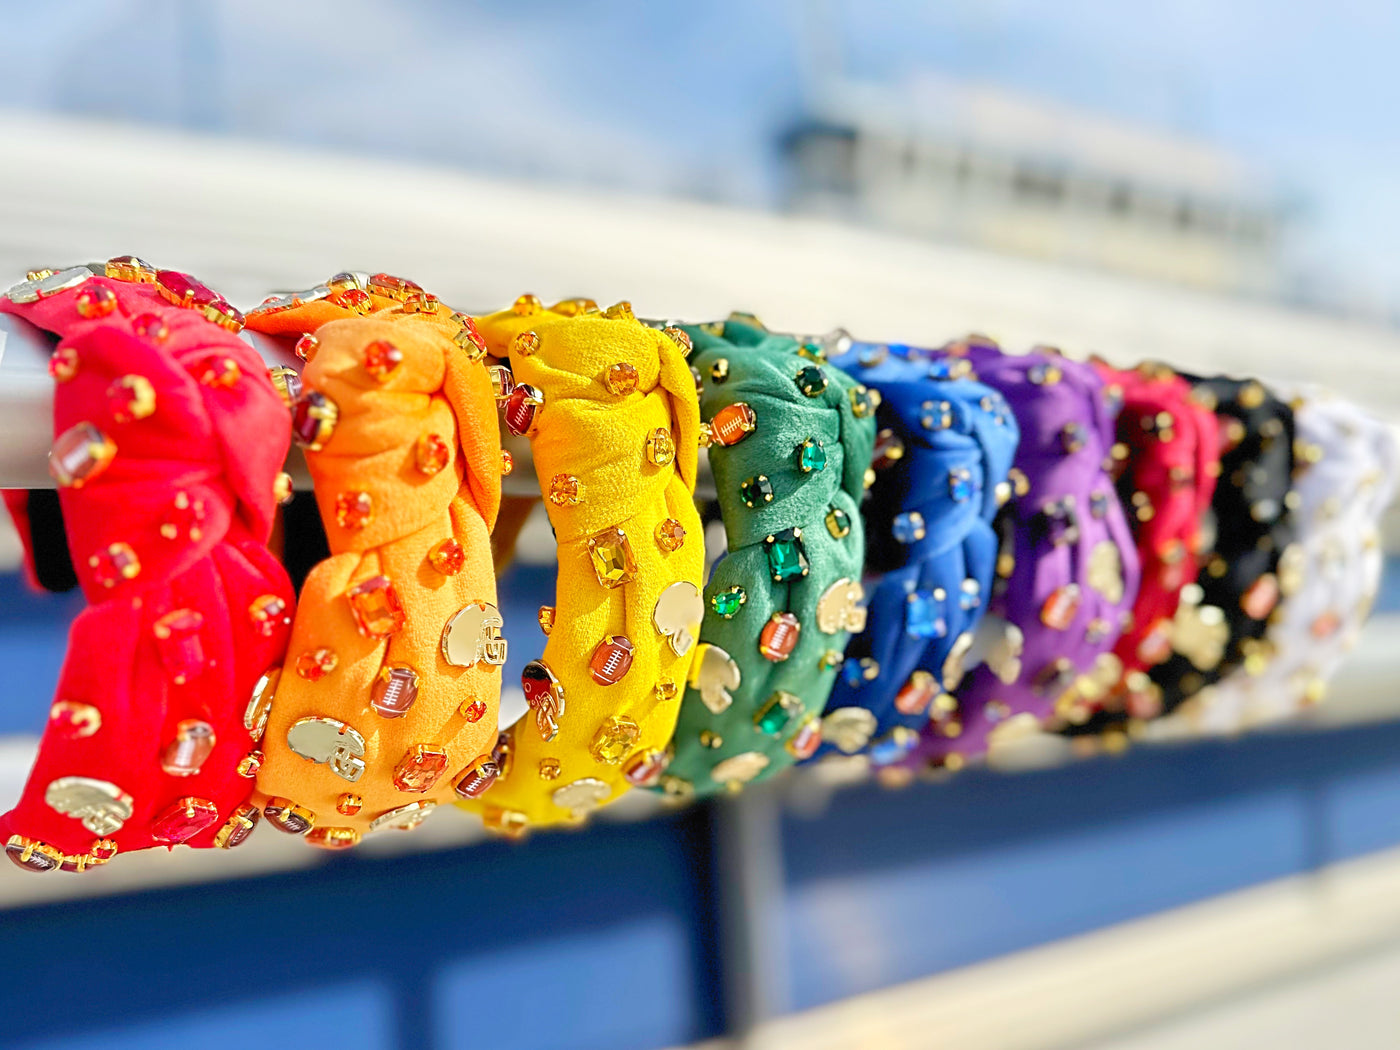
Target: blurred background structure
1207	184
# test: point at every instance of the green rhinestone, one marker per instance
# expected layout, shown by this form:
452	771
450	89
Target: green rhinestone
756	490
863	402
813	352
838	523
811	456
779	709
811	381
728	603
786	558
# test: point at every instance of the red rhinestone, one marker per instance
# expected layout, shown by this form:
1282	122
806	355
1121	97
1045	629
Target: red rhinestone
353	510
150	326
306	346
63	365
391	287
779	637
97	301
184	518
611	660
473	710
183	290
381	358
113	564
431	454
179	644
448	557
314	419
79	455
268	613
354	299
183	820
315	664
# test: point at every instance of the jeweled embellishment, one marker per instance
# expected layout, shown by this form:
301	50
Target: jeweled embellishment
285	815
714	674
786	558
315	664
472	637
961	485
582	796
660	447
80	455
431	454
611	659
314	419
472	710
130	398
803	744
617	736
95	301
810	456
43	283
305	347
611	554
838	523
811	380
839	608
382	358
238	827
756	490
545	618
677	615
670	535
376	607
909	527
260	703
732	423
521	407
183	819
448	557
565	490
63	364
354	510
545	695
923	615
129	268
249	764
405	818
268	614
32	855
1260	597
889	450
777	712
1061	607
99	805
477	777
779	636
286	382
917	693
333	838
526	344
179	644
620	379
420	768
329	742
394	691
114	563
644	769
863	401
727	603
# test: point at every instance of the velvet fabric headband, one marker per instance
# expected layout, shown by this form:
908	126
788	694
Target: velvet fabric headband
1068	568
387	704
943	448
791	440
609	406
168	445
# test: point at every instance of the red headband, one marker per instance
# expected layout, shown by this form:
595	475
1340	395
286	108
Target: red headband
168	442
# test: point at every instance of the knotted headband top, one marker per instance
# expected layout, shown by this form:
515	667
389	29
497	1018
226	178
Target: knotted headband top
168	445
791	443
943	449
1344	477
609	406
1068	567
1250	566
1167	460
387	704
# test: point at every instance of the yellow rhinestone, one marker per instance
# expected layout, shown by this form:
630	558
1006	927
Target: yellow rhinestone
661	447
549	769
620	311
611	554
526	344
565	490
620	378
615	739
526	305
546	618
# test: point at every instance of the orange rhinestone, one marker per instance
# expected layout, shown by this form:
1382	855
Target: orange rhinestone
507	463
448	557
621	379
670	534
381	358
472	710
526	344
97	301
349	804
315	664
431	454
306	346
354	510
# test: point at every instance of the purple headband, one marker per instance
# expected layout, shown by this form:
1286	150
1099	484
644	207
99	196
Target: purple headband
1068	569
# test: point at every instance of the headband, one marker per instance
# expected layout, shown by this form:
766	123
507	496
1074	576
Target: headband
609	407
168	444
943	449
1250	568
1167	462
791	440
386	706
1345	474
1068	570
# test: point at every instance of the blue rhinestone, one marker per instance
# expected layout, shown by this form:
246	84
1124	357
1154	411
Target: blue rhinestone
961	485
893	746
940	369
969	595
936	415
923	616
909	527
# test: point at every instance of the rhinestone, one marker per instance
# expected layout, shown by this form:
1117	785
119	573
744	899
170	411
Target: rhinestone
611	659
565	490
923	615
282	488
286	382
192	746
936	415
249	764
611	554
779	636
863	401
858	672
95	301
376	607
811	456
549	769
238	827
961	485
472	710
381	359
909	527
420	768
477	777
811	381
333	838
644	768
777	712
620	311
615	738
315	664
739	769
225	315
1061	607
732	423
431	454
670	535
183	290
709	738
448	557
1045	374
354	510
130	398
63	364
313	420
917	693
660	447
620	379
1098	505
1073	437
183	819
306	346
527	305
354	300
786	558
129	268
756	490
115	563
522	405
545	618
719	370
727	603
73	719
222	373
838	523
502	382
285	815
103	850
179	644
526	344
79	455
507	463
469	338
268	614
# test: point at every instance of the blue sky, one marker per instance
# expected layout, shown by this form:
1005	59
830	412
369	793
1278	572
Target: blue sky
689	98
